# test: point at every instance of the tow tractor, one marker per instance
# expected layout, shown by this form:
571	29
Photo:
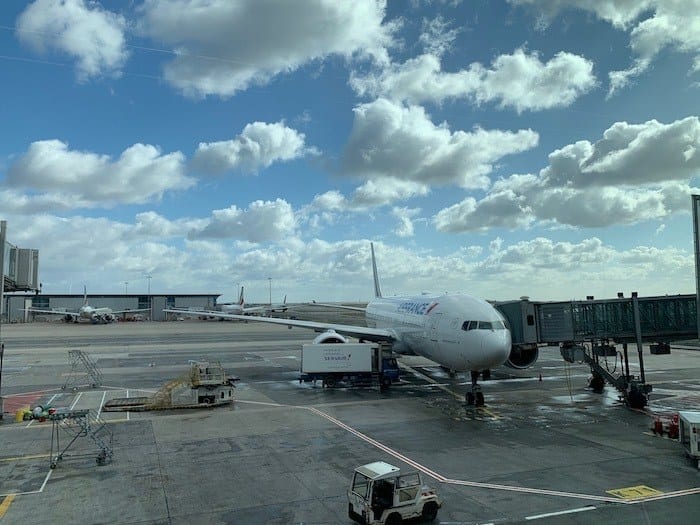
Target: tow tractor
380	494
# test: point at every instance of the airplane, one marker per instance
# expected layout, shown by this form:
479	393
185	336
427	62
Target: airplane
277	307
102	315
457	331
240	308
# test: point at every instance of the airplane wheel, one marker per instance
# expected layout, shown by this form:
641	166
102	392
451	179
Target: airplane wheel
470	398
597	384
479	399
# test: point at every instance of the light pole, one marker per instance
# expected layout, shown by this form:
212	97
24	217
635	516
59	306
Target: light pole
269	280
150	313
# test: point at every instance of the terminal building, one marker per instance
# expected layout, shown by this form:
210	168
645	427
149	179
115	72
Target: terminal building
16	305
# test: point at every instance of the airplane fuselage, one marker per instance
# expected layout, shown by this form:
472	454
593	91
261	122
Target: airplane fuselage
458	331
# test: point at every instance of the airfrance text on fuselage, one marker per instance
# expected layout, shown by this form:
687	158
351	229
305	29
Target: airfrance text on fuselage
416	308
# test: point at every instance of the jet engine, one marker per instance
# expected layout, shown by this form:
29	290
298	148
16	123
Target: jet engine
68	318
522	356
108	318
329	336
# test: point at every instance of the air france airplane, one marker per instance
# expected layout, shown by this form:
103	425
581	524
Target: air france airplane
237	308
458	331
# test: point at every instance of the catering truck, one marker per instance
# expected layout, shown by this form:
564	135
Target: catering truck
350	363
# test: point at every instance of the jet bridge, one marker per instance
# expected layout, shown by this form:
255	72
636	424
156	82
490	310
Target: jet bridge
588	330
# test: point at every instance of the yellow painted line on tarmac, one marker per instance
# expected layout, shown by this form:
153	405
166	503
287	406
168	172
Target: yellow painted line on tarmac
5	505
20	458
637	492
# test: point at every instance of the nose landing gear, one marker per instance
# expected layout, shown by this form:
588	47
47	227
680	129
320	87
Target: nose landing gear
475	396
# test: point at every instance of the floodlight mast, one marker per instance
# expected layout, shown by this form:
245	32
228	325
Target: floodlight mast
3	232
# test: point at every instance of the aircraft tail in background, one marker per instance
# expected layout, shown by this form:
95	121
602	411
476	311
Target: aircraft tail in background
377	289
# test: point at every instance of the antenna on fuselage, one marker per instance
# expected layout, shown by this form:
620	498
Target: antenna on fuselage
377	289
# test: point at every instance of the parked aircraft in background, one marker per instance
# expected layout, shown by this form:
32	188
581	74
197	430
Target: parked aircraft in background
276	308
239	308
458	331
100	315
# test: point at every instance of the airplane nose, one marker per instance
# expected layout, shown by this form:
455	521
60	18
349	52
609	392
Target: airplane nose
496	347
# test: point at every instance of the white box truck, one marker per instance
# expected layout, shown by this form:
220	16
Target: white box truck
354	363
689	434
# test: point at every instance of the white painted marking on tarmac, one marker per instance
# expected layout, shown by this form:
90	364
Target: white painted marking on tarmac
509	488
560	513
75	401
104	394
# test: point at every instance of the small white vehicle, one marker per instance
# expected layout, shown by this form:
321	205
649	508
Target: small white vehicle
380	494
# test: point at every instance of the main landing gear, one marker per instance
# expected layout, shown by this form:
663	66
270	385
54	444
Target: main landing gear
475	396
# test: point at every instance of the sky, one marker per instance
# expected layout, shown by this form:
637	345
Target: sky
502	148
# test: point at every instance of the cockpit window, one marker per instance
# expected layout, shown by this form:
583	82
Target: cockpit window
483	325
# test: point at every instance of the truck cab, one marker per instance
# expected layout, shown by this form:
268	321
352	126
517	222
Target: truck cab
380	494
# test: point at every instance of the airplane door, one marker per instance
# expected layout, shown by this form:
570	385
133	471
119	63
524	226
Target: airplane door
434	323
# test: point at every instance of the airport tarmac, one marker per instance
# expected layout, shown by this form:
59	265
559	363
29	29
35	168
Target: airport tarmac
545	449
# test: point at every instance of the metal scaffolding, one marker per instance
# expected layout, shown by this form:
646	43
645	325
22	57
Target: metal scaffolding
82	363
76	423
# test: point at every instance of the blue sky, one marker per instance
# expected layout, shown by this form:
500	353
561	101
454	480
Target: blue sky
545	148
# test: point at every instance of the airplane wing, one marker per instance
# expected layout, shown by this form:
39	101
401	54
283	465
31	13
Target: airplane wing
54	312
253	309
131	311
361	332
339	306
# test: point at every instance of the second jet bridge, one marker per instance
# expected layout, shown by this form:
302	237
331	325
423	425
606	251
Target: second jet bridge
587	330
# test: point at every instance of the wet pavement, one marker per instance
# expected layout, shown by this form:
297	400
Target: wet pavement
543	449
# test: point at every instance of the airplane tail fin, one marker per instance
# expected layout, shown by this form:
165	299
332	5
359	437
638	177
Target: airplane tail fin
241	301
284	301
377	289
84	295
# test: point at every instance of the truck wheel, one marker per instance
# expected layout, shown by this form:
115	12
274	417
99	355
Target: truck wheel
330	382
430	511
394	519
386	383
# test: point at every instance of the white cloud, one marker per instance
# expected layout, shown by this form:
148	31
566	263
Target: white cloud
103	254
389	140
405	216
437	38
384	191
93	36
263	221
85	179
620	13
652	24
519	80
258	146
225	47
634	173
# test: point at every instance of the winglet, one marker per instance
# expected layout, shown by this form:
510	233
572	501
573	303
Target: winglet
377	289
